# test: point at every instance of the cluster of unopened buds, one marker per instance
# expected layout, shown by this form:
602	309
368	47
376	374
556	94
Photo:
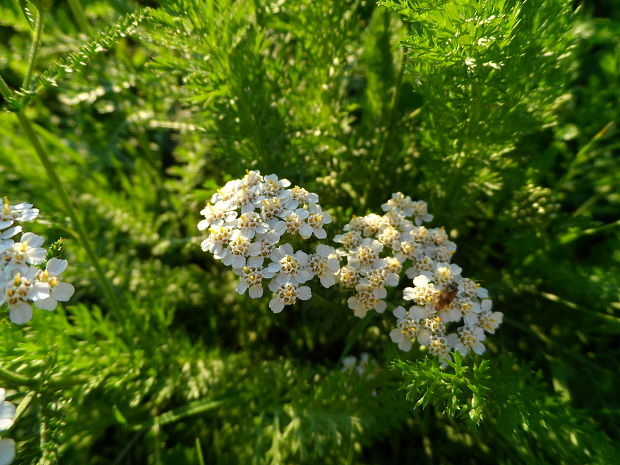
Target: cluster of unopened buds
249	217
252	223
26	275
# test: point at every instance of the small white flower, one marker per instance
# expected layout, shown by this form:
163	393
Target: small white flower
217	240
439	347
289	266
217	215
294	222
19	288
27	250
247	198
348	276
324	264
367	298
287	294
300	196
227	192
251	223
373	224
490	321
367	256
316	219
20	213
400	203
350	239
420	213
274	187
252	277
468	338
59	291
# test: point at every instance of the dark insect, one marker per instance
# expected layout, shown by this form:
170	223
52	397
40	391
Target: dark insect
446	296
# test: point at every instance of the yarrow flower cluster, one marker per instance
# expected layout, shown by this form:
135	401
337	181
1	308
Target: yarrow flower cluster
7	416
26	277
376	248
248	218
249	222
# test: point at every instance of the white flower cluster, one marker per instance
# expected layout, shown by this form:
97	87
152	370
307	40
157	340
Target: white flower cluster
248	219
22	279
449	312
7	416
377	247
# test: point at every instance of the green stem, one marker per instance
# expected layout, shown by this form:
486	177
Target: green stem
106	287
36	384
80	16
389	129
34	49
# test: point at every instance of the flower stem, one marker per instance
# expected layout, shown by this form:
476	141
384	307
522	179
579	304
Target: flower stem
16	379
106	287
34	48
388	130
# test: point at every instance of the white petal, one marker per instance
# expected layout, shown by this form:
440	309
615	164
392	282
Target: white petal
470	319
242	287
63	291
486	305
21	313
420	281
408	293
380	293
238	261
333	265
10	232
56	266
303	214
7	413
405	345
7	451
399	312
328	280
305	230
320	233
255	262
417	313
323	250
479	348
396	335
256	291
304	293
286	249
276	305
47	304
360	312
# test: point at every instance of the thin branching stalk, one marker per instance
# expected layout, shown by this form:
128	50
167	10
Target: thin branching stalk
37	384
389	129
34	48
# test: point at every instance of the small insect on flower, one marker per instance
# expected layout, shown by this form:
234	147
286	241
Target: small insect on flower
446	296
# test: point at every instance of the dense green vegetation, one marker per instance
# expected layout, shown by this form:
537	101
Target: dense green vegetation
501	114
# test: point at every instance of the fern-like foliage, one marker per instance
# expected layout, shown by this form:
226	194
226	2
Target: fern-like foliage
78	60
